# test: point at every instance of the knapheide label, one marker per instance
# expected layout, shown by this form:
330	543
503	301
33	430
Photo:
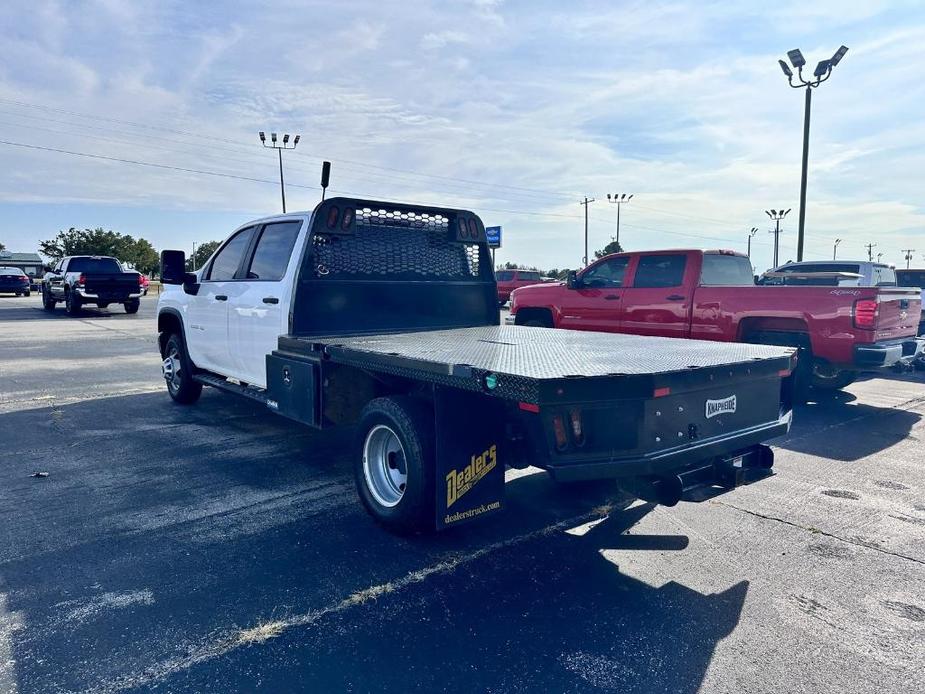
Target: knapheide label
724	406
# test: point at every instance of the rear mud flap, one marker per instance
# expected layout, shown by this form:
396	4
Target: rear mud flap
470	456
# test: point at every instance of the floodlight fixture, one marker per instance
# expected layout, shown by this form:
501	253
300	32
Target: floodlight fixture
823	67
296	140
286	139
788	73
796	58
839	54
273	137
263	137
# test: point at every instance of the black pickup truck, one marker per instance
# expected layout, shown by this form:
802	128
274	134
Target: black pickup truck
90	279
385	317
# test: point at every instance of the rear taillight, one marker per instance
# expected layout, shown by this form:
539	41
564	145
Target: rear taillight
24	278
577	433
141	281
347	220
558	428
866	312
81	280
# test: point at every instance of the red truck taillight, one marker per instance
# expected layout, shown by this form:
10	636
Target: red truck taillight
81	280
866	312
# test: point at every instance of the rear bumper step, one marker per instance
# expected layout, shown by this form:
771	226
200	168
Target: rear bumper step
888	353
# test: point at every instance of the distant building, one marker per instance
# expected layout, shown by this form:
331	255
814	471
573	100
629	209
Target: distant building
29	263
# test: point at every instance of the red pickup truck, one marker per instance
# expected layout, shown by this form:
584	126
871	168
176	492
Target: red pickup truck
711	295
509	280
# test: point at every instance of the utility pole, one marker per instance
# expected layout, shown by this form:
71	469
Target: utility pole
822	72
618	199
587	201
754	230
835	248
279	147
870	252
908	252
776	216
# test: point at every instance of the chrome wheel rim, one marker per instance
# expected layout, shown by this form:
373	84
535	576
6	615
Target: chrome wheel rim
384	466
171	367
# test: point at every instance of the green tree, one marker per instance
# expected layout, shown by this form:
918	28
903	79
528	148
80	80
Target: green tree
141	255
612	247
85	242
2	246
203	252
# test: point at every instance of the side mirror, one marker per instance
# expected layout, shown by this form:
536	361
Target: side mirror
571	280
46	268
173	267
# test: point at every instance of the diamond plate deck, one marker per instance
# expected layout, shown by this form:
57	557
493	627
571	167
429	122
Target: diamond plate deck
542	353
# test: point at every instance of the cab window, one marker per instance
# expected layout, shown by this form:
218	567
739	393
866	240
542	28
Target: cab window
225	264
720	270
607	273
271	258
504	275
660	271
528	276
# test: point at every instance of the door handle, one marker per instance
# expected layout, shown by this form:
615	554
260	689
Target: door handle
270	300
675	297
611	297
221	297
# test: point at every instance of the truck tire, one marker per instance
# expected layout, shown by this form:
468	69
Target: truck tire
28	292
178	372
395	462
132	306
47	302
72	303
838	380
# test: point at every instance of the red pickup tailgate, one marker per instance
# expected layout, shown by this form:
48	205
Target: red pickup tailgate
898	312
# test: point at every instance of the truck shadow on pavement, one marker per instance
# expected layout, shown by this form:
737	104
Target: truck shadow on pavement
836	426
219	548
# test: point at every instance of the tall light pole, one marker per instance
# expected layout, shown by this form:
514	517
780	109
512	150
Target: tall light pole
835	248
822	72
754	230
870	252
776	216
279	147
619	199
587	201
908	256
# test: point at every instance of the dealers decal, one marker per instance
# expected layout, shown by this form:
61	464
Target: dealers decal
459	483
724	406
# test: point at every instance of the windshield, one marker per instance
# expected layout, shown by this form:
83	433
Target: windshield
94	265
504	275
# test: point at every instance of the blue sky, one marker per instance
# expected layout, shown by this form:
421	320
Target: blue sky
513	109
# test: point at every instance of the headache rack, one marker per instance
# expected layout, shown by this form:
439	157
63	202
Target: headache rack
375	266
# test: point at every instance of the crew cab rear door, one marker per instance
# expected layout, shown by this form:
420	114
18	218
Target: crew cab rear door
259	312
207	310
658	300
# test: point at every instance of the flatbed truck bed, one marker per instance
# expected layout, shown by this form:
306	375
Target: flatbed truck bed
394	329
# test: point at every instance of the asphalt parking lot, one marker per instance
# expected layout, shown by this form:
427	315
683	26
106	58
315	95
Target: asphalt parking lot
219	548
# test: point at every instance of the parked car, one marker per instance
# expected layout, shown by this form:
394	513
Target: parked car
384	317
83	279
14	281
509	280
710	295
831	273
914	278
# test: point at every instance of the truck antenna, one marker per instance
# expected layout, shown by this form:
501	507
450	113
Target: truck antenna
325	177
